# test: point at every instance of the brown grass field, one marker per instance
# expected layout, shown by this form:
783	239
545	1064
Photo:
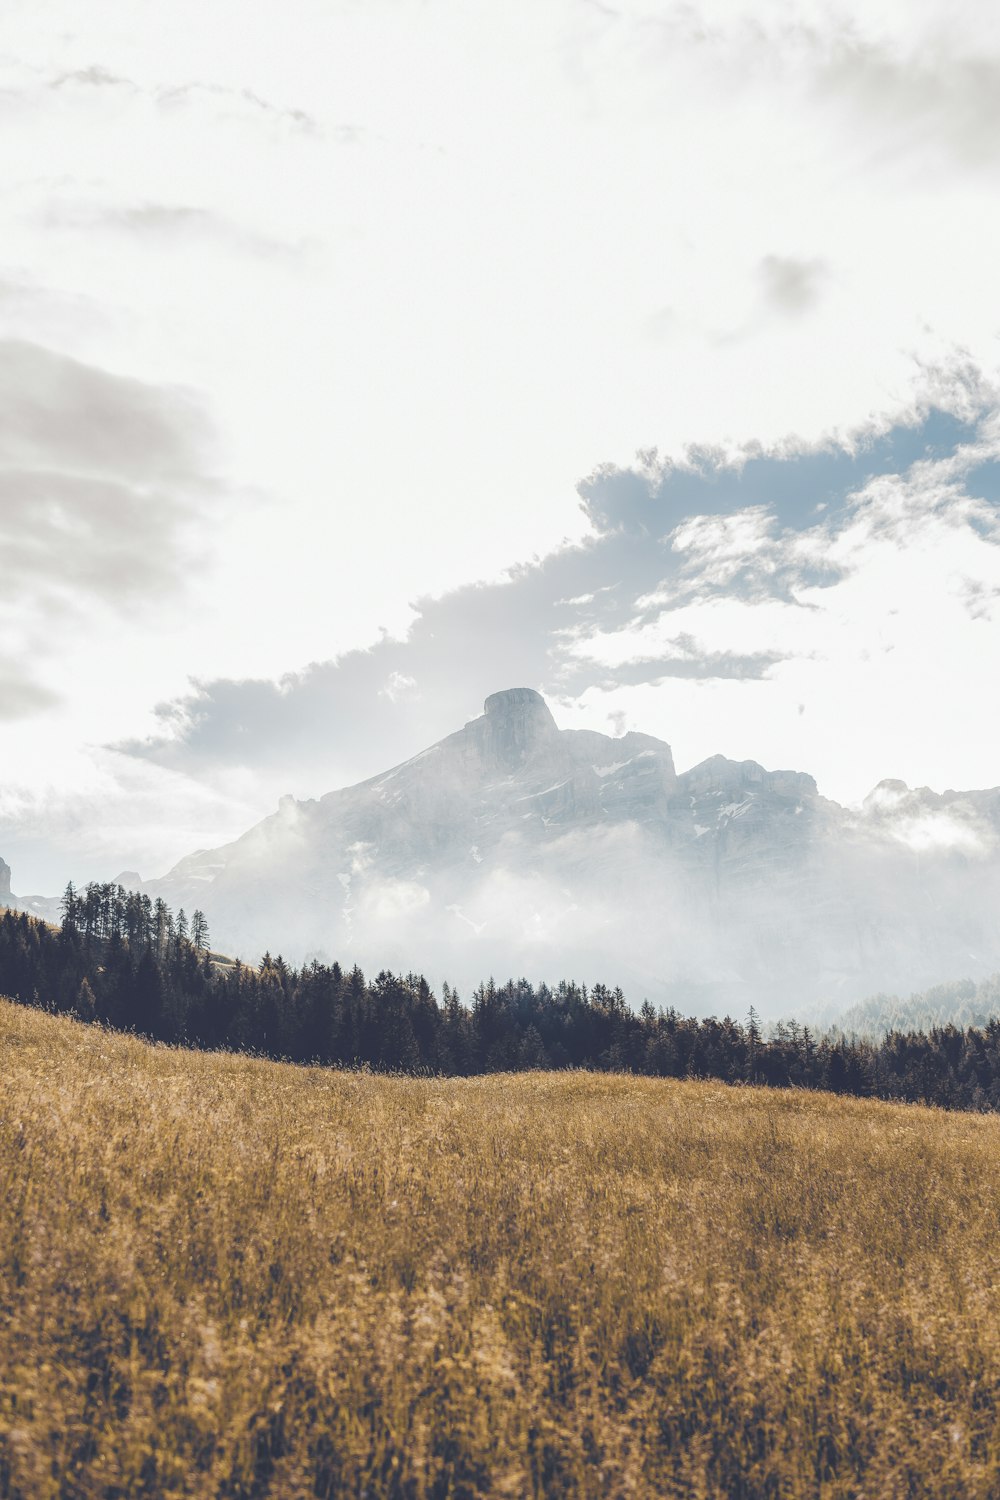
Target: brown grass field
227	1277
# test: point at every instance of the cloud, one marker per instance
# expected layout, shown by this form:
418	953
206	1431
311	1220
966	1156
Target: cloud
781	591
62	415
718	548
710	573
107	812
926	822
99	475
223	101
92	77
935	100
21	696
41	313
620	500
152	218
681	657
164	222
466	332
246	101
72	537
791	286
920	80
397	685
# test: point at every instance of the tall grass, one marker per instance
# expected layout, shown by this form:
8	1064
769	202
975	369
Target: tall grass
225	1277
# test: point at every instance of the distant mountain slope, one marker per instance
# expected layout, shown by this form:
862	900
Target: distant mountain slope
46	907
962	1003
512	846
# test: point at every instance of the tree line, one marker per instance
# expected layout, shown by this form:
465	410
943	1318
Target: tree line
131	964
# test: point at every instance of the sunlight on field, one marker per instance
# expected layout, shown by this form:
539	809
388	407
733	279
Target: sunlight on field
225	1277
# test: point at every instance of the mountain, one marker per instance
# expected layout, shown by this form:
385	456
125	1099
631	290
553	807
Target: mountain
962	1003
514	847
45	907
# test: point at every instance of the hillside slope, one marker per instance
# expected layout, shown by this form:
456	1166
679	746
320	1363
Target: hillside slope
225	1277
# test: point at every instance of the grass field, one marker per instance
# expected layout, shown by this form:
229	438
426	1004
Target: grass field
225	1277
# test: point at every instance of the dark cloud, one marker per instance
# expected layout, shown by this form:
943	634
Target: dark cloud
20	694
98	474
936	102
791	286
60	415
339	721
90	537
925	92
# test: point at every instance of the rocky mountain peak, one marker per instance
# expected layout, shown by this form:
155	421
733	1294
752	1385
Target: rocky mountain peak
887	796
514	846
4	883
516	724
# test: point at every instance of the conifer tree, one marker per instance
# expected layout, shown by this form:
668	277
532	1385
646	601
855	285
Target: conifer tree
86	1006
199	931
70	907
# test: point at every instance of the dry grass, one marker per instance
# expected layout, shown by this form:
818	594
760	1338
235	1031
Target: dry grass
224	1277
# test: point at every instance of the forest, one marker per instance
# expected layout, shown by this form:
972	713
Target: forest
131	964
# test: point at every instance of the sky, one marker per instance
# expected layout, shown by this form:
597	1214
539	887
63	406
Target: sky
360	360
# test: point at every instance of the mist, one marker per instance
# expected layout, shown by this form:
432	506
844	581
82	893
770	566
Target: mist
515	849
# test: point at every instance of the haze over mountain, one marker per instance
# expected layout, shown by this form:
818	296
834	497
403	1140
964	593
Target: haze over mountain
368	374
513	846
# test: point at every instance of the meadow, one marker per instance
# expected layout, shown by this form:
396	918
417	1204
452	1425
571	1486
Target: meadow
222	1276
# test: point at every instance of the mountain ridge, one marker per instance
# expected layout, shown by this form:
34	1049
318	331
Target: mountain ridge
514	846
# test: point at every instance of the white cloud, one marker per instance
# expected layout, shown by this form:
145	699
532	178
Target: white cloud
897	652
413	260
87	813
716	548
398	685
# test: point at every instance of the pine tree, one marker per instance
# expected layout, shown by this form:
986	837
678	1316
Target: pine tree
199	931
86	1005
70	908
753	1044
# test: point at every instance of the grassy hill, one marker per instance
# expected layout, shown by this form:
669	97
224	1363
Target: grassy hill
229	1277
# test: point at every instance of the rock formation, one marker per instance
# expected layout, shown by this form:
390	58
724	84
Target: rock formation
513	846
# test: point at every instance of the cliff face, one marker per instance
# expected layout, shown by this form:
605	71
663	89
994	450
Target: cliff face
516	727
48	908
513	846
